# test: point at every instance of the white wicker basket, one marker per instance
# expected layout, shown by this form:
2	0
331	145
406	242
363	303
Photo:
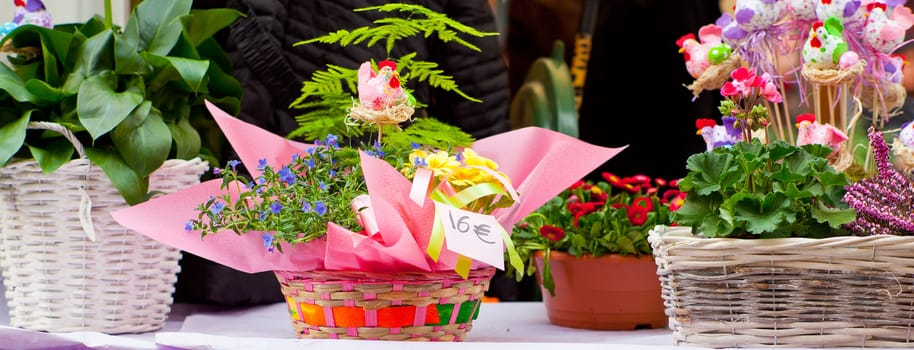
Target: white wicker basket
59	280
787	292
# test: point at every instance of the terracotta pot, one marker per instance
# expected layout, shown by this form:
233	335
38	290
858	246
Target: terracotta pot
610	292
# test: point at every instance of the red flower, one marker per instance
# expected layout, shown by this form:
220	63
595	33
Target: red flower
597	194
743	82
577	184
552	233
652	190
660	182
613	179
637	215
645	202
669	195
674	183
642	179
618	205
677	202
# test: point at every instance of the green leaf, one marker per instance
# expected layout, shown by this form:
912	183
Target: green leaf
143	140
187	139
95	54
761	212
707	171
100	108
127	59
127	182
55	41
44	93
203	24
192	71
834	217
12	136
13	85
52	153
93	26
155	24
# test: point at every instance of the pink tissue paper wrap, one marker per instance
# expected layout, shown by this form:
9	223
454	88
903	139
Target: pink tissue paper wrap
540	163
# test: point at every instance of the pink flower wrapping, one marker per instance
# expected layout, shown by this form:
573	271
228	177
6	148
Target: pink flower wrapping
540	162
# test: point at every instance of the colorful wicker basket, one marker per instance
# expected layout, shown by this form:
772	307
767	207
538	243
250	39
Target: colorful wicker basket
788	292
434	306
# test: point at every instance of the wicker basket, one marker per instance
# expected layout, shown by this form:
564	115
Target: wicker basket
799	292
59	280
437	306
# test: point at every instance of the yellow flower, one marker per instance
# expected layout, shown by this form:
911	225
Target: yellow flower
474	159
442	163
464	177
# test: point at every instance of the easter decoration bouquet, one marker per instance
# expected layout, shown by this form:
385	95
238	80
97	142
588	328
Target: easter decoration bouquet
797	233
391	239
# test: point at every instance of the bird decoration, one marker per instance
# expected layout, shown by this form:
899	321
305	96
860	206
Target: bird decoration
755	15
802	10
825	45
903	149
700	55
883	33
380	90
717	135
32	12
846	11
27	12
809	131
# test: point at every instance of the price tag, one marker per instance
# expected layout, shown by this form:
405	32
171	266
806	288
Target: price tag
473	235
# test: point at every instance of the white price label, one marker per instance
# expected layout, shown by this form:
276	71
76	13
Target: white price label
476	236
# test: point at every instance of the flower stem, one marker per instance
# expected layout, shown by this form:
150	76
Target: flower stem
108	21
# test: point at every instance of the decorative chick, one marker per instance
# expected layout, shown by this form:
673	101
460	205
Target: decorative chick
809	131
380	90
883	33
700	55
825	44
715	135
32	12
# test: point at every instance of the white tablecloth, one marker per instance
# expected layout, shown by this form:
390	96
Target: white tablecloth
501	326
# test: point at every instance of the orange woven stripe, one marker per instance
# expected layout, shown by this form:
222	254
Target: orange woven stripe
395	317
349	316
313	314
293	310
431	316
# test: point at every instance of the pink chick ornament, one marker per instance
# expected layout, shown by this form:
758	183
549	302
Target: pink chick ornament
754	15
380	90
802	10
825	44
32	12
809	131
714	135
846	11
903	149
883	33
700	55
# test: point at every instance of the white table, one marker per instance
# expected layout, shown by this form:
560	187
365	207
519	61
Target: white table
501	326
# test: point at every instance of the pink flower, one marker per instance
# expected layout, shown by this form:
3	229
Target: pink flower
769	91
743	82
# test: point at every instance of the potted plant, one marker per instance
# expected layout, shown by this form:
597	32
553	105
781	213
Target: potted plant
102	117
778	247
583	243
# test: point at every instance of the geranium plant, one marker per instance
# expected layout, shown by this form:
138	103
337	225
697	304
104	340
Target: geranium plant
596	218
751	188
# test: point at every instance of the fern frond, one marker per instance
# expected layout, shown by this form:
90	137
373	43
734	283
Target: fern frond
427	131
328	83
428	13
427	71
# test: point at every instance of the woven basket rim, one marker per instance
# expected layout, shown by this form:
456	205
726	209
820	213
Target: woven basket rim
683	235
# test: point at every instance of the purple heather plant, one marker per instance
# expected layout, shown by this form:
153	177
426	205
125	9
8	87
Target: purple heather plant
884	203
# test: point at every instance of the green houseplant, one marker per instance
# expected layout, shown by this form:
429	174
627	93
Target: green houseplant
599	228
133	96
129	102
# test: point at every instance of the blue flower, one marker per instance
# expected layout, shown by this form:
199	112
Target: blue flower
233	163
217	208
312	150
285	175
320	208
378	151
188	226
295	156
217	171
419	162
263	215
261	180
310	163
460	157
333	141
275	207
262	164
415	145
267	240
324	186
306	207
331	173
